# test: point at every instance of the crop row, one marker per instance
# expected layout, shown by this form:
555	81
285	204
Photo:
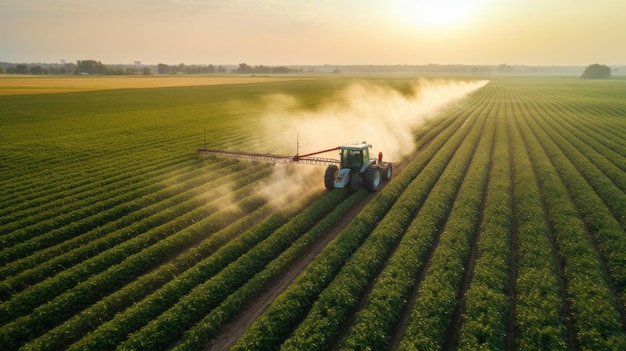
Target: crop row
170	325
608	181
390	293
135	257
485	302
97	172
205	329
607	161
593	306
167	282
121	214
105	237
602	132
448	228
47	204
601	204
539	309
393	208
586	139
61	184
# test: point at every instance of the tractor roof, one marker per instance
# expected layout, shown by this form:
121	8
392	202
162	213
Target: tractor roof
356	146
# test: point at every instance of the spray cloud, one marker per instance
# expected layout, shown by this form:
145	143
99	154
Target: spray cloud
378	114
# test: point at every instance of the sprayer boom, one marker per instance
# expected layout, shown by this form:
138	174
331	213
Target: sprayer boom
354	169
276	159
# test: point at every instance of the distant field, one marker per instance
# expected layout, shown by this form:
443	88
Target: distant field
504	228
12	85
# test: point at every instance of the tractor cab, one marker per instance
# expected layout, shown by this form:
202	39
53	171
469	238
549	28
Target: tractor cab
354	156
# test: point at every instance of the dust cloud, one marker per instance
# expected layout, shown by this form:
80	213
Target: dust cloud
378	114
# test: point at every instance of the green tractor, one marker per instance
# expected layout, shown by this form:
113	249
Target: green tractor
358	169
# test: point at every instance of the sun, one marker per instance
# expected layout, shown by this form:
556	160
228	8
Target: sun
434	13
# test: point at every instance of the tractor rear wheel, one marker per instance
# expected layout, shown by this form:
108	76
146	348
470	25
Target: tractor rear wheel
355	181
329	177
372	179
387	172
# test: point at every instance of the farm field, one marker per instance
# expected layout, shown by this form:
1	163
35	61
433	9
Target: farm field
26	84
503	228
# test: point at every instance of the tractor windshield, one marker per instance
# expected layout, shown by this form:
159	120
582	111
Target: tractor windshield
351	158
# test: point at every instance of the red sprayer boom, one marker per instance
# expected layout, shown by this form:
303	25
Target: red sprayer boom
276	159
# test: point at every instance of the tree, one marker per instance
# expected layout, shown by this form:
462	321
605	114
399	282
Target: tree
36	70
244	68
281	69
262	69
21	69
163	68
596	71
90	67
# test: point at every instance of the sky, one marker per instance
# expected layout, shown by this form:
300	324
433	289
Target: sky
316	32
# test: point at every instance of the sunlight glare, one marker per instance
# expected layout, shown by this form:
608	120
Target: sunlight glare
434	13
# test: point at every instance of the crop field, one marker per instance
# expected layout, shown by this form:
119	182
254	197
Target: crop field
503	227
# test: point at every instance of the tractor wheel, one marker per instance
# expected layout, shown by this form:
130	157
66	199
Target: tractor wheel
373	179
355	181
329	177
387	172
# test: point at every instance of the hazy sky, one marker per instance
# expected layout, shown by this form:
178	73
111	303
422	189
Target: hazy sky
285	32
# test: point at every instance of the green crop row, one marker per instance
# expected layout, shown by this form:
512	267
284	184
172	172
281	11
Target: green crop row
67	167
330	311
605	186
610	162
75	208
593	306
539	312
185	272
273	326
48	204
131	212
171	324
33	200
187	212
205	329
602	205
457	197
94	172
597	128
599	113
485	302
390	293
150	248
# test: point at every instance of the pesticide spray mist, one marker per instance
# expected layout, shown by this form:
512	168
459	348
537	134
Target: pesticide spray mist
378	114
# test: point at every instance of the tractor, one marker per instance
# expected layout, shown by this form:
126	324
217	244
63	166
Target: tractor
355	168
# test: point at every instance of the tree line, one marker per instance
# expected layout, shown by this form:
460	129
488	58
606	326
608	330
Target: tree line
93	67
